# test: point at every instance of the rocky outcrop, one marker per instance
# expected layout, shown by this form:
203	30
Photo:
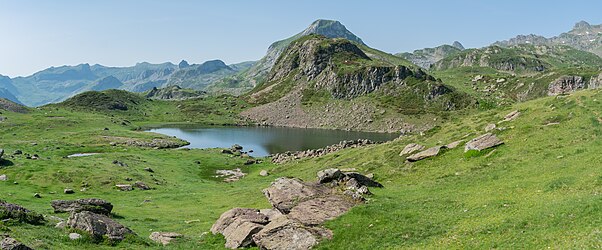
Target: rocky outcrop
565	85
9	211
93	205
410	149
595	82
230	175
173	93
98	225
431	152
485	141
8	243
511	116
311	153
164	238
299	208
157	143
428	56
499	58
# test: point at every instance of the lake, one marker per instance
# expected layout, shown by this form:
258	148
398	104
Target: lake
266	140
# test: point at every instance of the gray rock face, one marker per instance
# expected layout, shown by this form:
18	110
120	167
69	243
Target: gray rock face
238	225
483	142
286	234
317	211
329	175
434	151
410	149
93	205
8	243
164	237
565	85
285	193
98	225
595	82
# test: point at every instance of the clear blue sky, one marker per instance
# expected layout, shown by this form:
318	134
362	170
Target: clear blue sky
39	34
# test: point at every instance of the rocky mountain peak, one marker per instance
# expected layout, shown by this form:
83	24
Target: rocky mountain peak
582	25
330	29
183	64
458	45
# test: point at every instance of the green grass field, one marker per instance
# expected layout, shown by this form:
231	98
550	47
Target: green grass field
542	188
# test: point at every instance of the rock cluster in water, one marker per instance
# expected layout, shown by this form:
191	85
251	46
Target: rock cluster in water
289	156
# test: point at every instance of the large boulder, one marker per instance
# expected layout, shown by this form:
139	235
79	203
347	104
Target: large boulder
434	151
328	175
485	141
238	226
8	243
164	237
19	213
566	84
317	211
410	149
285	193
93	205
98	225
287	234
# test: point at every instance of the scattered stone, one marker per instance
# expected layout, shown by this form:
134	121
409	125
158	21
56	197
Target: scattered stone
230	175
150	170
485	141
250	162
289	156
37	195
3	177
434	151
329	175
362	179
164	237
8	243
512	115
490	127
124	187
68	191
1	152
141	185
60	225
410	149
264	173
236	147
453	144
119	163
18	152
93	205
98	225
227	151
75	236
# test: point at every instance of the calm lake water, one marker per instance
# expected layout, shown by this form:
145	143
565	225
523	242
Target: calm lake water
267	140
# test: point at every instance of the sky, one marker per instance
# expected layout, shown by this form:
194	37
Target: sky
37	34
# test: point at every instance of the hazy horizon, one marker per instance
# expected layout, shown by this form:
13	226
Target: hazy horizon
42	34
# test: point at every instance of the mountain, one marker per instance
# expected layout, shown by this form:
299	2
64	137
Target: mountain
173	93
520	72
198	76
5	94
428	56
583	36
336	83
248	79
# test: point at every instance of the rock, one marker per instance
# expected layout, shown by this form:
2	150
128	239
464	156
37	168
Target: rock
329	175
289	156
453	144
283	233
271	213
93	205
119	163
68	191
317	211
141	185
236	147
285	193
410	149
18	152
250	162
363	180
150	170
490	127
98	225
227	151
363	190
124	187
241	235
164	237
19	213
566	84
1	152
60	225
8	243
434	151
512	115
483	142
75	236
243	214
264	173
37	195
3	177
230	175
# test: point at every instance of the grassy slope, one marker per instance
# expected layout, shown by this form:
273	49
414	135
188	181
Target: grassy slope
542	188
